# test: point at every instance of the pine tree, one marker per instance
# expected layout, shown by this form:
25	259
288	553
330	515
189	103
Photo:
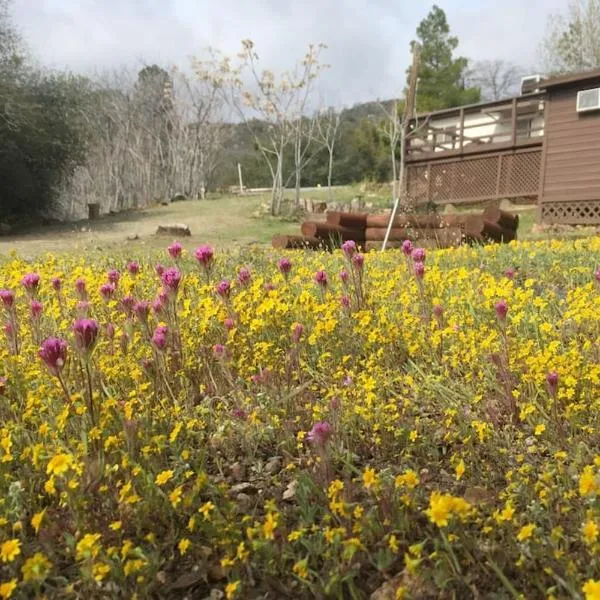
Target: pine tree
441	75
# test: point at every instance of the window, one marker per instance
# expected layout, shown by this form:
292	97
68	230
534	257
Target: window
588	100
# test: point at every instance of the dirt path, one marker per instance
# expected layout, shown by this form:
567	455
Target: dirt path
222	222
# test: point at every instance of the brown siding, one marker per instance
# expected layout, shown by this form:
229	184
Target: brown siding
572	148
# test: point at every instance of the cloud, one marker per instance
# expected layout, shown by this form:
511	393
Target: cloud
368	40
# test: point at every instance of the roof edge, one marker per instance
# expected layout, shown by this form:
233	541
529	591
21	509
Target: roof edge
569	79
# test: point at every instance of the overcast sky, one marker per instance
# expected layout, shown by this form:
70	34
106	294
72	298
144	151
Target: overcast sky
368	39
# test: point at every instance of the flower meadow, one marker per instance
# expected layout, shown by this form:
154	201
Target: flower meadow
308	425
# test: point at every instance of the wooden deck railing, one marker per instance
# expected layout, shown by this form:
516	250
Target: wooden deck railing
428	141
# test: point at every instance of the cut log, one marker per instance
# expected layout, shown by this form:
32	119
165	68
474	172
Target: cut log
375	234
351	220
501	217
177	229
327	231
420	221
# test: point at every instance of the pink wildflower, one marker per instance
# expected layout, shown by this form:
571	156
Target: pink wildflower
86	334
223	289
31	282
8	298
321	278
204	255
419	270
171	279
134	268
36	308
53	352
107	291
349	248
285	266
418	255
501	308
244	276
319	434
159	338
175	250
113	276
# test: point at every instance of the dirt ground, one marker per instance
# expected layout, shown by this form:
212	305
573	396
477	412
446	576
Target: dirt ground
221	222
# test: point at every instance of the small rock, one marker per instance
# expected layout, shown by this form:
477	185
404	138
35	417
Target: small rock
216	594
290	490
243	488
478	495
238	471
244	503
132	238
178	229
388	590
216	573
273	466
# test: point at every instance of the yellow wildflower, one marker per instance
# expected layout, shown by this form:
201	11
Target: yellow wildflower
370	479
407	479
301	568
183	545
526	532
7	588
269	526
36	568
588	482
231	589
9	550
164	477
59	464
590	532
36	520
206	509
88	546
591	589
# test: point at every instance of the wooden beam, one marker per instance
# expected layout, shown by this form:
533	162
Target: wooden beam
462	129
499	174
514	122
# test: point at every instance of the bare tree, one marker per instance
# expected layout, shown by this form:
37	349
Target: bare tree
572	41
497	79
328	127
271	107
391	129
151	135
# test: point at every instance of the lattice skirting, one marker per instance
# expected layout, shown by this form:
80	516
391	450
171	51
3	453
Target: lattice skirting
476	178
585	212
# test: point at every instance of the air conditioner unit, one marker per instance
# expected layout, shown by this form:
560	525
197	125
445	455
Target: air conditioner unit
529	84
588	100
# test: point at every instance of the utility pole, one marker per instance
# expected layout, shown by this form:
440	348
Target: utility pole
409	111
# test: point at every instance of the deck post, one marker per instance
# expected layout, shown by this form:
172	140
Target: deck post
461	130
498	175
513	139
428	192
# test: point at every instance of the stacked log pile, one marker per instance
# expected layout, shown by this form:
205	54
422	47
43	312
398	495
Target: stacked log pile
433	231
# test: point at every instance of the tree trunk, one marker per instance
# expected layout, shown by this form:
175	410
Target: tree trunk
298	157
329	173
